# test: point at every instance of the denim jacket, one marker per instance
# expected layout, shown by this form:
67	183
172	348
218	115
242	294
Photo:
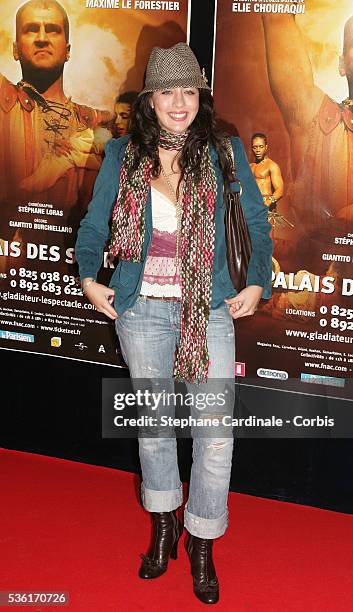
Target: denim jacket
94	231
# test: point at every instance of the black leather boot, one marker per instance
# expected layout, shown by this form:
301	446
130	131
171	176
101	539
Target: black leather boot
206	586
166	533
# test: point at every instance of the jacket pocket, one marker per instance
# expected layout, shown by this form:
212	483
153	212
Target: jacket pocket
129	273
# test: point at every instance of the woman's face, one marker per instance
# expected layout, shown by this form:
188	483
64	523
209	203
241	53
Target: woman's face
176	108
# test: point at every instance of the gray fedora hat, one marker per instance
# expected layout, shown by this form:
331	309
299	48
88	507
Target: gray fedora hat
173	67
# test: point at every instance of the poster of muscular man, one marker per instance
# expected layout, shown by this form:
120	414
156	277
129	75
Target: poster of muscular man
69	73
283	81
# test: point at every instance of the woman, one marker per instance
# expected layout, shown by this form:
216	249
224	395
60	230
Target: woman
163	187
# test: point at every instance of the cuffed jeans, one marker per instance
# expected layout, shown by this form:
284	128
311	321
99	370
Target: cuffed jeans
149	333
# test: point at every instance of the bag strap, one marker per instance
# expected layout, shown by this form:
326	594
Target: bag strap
231	158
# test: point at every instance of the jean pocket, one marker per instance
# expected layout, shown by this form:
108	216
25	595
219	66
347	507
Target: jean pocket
133	310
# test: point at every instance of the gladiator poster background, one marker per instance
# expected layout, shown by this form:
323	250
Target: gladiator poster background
69	74
283	82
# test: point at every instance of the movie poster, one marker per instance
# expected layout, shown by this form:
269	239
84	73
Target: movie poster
69	73
283	81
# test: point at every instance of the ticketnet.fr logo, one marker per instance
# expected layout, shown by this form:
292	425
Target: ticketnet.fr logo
239	368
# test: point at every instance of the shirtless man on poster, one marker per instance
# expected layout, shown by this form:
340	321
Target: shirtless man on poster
320	129
44	135
48	148
266	172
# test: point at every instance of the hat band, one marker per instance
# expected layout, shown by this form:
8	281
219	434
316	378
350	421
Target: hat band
172	83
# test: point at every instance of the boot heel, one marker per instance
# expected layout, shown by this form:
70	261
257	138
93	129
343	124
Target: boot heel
174	551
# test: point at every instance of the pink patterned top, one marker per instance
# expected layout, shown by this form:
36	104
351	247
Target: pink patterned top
161	277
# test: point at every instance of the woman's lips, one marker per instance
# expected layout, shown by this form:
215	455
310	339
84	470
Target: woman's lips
178	116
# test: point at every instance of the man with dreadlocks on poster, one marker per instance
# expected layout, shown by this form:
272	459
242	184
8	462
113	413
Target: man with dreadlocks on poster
171	295
44	135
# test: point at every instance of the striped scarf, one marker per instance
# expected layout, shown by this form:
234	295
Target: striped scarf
196	245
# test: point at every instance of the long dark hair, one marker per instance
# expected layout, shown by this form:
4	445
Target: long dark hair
144	131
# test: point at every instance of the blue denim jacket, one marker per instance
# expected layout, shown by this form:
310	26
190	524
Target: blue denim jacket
127	277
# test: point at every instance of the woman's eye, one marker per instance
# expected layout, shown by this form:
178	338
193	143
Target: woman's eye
166	92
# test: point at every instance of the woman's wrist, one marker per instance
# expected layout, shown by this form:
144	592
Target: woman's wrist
86	282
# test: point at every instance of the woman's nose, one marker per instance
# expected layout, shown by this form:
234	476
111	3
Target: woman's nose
178	98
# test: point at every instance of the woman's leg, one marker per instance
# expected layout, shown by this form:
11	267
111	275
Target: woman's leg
147	335
206	514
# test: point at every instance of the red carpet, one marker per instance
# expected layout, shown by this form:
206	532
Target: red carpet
78	528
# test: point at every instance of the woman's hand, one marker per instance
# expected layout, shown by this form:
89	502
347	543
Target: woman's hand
101	297
245	303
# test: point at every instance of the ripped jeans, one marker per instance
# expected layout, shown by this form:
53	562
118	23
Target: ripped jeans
148	335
